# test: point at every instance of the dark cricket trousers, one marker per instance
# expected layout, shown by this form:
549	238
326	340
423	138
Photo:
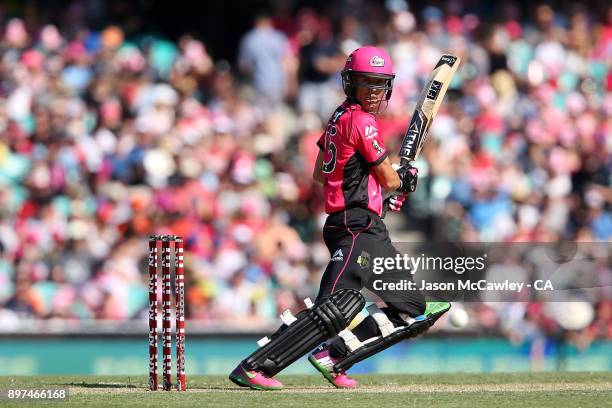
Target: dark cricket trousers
355	237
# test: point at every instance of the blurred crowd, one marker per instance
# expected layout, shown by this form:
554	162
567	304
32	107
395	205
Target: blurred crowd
105	139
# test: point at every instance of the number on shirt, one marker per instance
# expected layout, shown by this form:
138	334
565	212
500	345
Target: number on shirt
329	162
330	158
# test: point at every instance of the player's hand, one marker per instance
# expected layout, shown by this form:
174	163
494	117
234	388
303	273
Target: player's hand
395	202
409	177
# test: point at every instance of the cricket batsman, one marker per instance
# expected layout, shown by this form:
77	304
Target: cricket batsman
354	168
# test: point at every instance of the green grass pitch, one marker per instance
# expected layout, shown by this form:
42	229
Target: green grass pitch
556	390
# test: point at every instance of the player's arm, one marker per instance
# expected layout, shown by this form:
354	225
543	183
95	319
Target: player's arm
396	178
386	176
370	145
317	173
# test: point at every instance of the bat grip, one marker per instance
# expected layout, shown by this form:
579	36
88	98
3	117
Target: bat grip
404	162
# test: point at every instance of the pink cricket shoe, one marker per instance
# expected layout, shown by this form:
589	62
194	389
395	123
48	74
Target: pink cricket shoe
323	362
254	379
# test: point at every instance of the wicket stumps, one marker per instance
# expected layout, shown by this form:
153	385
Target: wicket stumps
181	384
153	313
166	256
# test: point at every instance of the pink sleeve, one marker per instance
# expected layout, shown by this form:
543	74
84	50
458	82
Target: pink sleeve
368	139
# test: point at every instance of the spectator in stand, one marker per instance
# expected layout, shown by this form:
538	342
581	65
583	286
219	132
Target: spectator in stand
320	61
265	57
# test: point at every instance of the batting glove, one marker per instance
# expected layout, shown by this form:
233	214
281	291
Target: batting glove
408	178
395	202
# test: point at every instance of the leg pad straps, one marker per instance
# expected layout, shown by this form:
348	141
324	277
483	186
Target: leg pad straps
390	335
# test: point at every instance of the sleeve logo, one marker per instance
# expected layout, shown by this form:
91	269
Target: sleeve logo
370	132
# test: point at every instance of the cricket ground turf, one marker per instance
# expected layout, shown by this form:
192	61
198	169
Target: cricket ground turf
557	389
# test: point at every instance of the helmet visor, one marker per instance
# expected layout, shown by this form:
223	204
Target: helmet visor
368	89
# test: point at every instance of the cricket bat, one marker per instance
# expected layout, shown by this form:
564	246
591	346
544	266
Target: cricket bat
425	111
427	106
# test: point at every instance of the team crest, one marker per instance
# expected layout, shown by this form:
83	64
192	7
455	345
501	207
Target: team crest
377	147
377	61
364	260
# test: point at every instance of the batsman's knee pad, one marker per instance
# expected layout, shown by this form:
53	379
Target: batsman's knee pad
390	334
304	332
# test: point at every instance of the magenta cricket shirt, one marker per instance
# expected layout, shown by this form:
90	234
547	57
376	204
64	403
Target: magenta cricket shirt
352	146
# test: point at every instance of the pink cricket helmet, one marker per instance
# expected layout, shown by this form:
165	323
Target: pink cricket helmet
371	62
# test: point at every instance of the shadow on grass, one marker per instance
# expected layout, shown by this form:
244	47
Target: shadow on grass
103	385
84	384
